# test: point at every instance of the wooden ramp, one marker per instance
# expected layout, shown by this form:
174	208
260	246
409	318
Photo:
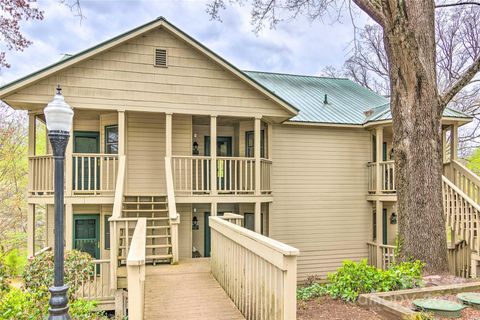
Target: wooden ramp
186	291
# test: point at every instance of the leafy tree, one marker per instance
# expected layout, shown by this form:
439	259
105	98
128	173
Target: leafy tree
417	104
13	171
12	13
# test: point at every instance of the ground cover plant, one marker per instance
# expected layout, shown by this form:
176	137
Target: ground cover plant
355	278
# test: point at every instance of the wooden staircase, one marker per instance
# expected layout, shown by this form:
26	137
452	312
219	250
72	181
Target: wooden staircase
158	245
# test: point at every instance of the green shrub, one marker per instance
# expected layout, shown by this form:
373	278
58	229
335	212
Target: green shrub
4	286
85	310
15	261
20	305
38	273
355	278
26	305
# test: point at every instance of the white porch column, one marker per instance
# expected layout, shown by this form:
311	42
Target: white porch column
444	145
168	134
31	229
121	133
31	148
69	164
379	222
269	140
213	208
213	155
454	142
258	217
257	154
31	133
379	152
68	226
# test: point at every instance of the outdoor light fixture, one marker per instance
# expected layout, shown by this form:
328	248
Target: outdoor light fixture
59	117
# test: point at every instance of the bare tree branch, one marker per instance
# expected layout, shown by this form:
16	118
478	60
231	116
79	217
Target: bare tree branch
461	83
446	5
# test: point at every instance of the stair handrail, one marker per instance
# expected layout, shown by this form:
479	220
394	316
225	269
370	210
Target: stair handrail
471	176
172	208
470	202
116	214
461	193
119	188
136	271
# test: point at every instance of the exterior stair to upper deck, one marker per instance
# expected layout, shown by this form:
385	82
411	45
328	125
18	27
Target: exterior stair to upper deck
158	244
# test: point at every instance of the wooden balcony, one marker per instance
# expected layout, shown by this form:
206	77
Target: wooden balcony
235	175
92	174
385	170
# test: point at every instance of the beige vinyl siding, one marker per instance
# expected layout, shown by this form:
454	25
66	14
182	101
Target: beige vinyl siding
145	154
125	77
146	150
319	182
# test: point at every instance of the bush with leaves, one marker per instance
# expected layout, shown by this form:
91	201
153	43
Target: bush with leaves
355	278
4	286
38	274
31	302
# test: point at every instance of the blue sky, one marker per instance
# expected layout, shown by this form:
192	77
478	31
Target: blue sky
297	46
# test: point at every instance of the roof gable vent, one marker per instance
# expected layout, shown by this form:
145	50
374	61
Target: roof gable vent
160	58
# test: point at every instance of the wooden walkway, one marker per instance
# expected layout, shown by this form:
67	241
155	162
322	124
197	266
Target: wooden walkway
186	291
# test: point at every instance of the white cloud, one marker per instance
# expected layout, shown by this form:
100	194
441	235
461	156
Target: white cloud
296	46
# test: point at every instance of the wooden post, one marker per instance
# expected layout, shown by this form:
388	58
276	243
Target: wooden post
257	154
213	155
31	229
258	217
68	226
69	165
269	140
120	303
168	134
454	142
379	216
444	146
379	152
121	133
213	209
31	148
290	288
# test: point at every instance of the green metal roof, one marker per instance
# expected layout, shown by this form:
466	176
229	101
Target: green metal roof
347	102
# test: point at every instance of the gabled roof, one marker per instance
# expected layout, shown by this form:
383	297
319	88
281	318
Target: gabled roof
69	60
331	100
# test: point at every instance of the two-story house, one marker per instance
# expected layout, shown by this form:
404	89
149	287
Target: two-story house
163	123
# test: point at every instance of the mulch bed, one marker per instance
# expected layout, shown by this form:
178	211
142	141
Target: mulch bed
326	308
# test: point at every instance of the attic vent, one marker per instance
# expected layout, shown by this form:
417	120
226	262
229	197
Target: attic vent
160	58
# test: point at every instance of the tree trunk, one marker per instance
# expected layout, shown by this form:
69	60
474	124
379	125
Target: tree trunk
409	36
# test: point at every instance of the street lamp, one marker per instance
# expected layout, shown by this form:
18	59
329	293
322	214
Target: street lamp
58	117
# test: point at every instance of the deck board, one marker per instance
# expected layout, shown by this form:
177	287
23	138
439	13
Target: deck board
186	291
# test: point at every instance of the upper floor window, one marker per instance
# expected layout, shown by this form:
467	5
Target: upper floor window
111	139
250	144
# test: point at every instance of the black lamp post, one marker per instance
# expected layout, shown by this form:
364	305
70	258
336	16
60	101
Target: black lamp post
58	117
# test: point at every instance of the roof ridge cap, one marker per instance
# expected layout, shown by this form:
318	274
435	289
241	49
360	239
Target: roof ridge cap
296	75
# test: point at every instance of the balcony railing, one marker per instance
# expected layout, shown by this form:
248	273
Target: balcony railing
41	175
235	175
387	177
94	173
